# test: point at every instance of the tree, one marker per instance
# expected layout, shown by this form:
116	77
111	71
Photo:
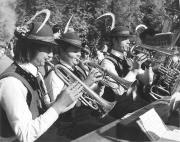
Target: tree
129	13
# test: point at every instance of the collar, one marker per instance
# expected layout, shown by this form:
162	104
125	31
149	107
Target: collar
30	68
117	54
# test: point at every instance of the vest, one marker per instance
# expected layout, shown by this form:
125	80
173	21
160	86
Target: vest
122	68
121	65
33	100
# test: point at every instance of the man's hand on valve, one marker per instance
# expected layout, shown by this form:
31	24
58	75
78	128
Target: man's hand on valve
67	99
94	76
138	60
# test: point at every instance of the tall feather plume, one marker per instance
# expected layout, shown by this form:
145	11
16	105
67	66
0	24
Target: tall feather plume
67	25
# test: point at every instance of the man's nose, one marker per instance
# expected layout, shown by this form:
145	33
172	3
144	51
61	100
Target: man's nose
50	55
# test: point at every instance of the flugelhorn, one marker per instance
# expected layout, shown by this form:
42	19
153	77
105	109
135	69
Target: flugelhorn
127	85
89	97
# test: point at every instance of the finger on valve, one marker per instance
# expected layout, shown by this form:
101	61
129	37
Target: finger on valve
76	90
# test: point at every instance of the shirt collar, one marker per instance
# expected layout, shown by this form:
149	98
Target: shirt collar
30	68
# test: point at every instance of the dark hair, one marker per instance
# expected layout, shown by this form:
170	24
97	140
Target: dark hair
25	50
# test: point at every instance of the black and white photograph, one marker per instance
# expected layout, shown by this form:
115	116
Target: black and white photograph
89	70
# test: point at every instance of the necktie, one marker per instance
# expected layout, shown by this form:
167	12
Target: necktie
42	92
40	86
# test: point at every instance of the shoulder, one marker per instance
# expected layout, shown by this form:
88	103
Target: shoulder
12	85
11	81
107	62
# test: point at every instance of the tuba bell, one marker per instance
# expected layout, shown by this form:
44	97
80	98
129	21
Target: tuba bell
89	97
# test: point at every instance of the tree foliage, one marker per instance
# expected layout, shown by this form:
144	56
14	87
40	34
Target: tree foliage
129	13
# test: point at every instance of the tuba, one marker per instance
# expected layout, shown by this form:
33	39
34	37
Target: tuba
89	97
166	64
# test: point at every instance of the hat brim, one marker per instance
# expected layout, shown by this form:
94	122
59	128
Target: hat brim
75	43
42	40
53	44
122	35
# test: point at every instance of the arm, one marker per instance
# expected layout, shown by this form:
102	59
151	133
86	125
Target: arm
13	101
144	76
109	66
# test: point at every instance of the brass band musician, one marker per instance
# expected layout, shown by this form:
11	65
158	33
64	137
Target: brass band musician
79	120
128	69
24	116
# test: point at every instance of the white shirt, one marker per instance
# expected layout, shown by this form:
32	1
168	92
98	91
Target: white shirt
109	66
146	76
13	100
54	84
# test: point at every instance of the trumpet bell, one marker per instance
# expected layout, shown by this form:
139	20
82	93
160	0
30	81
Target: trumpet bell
105	110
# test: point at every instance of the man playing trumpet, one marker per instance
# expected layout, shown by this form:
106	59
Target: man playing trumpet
24	116
80	120
126	68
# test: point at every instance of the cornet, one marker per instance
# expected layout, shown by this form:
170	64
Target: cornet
142	48
89	97
127	85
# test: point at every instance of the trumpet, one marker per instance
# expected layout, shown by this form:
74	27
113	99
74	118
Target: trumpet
127	85
147	48
89	97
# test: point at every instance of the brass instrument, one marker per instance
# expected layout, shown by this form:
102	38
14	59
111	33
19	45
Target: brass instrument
167	80
167	64
89	97
147	48
127	85
167	73
155	54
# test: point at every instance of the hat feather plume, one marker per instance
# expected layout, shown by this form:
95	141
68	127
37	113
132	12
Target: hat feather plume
47	12
67	25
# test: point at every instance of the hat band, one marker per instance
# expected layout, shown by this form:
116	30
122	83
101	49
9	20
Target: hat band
73	41
42	38
125	32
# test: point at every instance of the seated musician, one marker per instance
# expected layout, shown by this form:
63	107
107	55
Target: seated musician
129	69
23	113
81	119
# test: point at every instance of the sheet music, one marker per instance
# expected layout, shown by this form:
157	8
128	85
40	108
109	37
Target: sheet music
152	124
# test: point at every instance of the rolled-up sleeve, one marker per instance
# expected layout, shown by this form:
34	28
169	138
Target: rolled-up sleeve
109	66
13	100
